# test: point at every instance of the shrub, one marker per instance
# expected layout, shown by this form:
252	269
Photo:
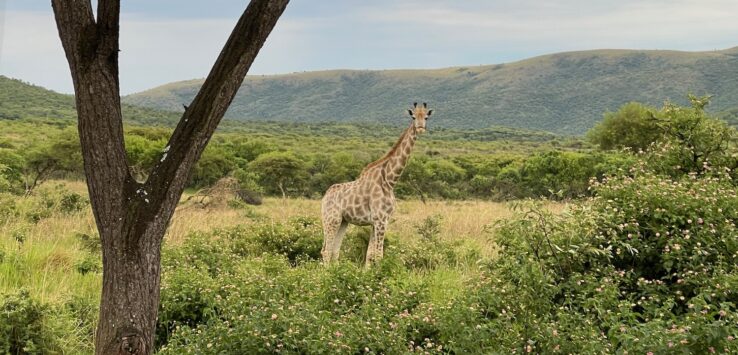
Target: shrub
271	307
90	243
89	264
301	239
58	199
22	326
632	126
648	265
8	207
71	202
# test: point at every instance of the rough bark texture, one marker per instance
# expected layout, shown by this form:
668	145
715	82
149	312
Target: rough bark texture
132	217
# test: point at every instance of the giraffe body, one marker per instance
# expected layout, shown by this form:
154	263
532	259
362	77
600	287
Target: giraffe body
370	199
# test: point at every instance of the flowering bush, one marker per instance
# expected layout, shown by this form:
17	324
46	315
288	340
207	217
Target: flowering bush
648	265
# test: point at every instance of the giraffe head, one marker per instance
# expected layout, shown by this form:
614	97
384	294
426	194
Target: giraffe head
420	115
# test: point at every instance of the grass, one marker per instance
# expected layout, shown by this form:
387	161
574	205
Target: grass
45	261
462	220
46	258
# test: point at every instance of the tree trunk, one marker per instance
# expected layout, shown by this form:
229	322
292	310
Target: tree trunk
284	193
132	217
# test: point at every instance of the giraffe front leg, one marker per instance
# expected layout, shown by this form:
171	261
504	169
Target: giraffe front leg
330	229
375	250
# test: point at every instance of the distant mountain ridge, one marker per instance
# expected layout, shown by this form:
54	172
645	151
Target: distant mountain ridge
565	93
20	100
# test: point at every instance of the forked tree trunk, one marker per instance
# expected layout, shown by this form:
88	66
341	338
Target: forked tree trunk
130	216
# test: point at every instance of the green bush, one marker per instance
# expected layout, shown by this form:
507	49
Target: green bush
11	171
8	207
649	265
23	328
90	243
271	307
89	264
301	239
47	201
632	127
71	202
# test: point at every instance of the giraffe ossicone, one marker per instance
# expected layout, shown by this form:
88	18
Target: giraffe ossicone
370	199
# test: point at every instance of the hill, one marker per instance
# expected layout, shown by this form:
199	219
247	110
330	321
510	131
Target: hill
564	93
21	100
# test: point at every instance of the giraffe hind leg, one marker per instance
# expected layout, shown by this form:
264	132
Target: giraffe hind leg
338	239
375	249
331	226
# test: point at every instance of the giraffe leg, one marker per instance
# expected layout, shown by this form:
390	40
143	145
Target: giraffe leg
338	239
330	230
375	251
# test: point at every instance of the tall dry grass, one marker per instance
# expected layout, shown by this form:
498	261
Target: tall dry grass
45	261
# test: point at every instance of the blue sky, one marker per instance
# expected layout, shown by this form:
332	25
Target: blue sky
171	40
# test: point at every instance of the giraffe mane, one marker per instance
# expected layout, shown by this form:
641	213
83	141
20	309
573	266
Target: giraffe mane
388	154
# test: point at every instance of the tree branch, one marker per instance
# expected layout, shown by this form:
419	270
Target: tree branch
202	116
74	18
108	29
92	53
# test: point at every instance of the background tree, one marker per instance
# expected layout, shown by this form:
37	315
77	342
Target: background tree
132	217
692	141
45	159
632	126
11	166
281	172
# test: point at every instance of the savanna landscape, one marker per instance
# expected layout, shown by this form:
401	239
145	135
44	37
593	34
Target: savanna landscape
575	203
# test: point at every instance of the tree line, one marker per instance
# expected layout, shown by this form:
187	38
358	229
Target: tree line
262	164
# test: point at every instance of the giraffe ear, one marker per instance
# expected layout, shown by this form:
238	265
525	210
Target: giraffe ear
410	112
429	112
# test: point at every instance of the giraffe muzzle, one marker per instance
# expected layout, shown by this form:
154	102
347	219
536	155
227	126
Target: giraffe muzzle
421	129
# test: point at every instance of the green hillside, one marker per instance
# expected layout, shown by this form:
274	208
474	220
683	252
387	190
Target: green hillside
563	93
21	100
730	116
24	101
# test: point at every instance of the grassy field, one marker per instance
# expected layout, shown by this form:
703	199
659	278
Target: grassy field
54	255
51	249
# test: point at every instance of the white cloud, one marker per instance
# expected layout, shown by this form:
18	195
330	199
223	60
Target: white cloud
602	24
378	34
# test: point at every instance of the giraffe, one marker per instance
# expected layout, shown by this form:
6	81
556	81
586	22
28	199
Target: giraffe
370	199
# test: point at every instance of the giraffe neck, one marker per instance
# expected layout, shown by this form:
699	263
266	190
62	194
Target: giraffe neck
396	162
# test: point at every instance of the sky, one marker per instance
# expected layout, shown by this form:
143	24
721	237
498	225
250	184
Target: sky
171	40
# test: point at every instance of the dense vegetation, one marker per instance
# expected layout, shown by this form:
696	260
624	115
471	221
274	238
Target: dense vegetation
646	265
39	142
563	93
301	160
643	260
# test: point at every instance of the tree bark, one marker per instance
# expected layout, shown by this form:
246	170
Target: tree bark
130	216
